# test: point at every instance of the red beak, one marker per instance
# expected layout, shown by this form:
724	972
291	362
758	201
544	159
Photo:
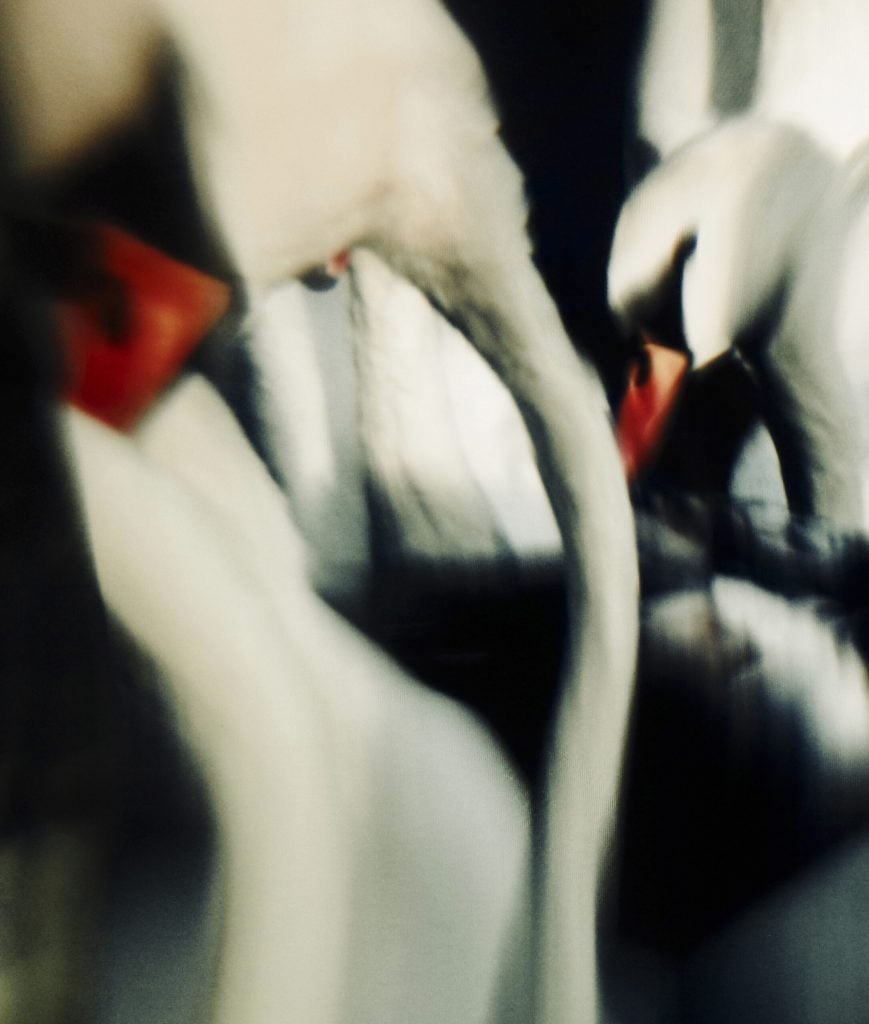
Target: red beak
654	387
167	308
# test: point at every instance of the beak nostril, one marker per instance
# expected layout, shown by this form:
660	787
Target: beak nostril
642	363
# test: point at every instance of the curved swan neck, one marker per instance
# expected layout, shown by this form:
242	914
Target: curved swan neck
563	404
590	497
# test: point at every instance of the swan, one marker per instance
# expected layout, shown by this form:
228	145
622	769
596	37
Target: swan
752	199
349	843
311	129
751	140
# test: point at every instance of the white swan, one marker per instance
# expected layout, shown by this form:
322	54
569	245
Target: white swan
748	175
314	127
360	817
753	200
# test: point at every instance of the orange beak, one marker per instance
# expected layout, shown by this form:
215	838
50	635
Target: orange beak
654	387
167	308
